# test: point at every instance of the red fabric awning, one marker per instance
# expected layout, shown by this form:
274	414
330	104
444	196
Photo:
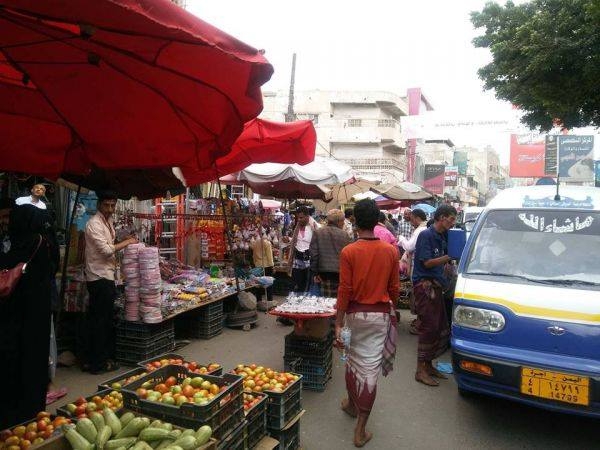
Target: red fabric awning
120	84
262	141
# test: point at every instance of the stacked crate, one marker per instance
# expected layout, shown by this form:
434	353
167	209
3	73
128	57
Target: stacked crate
283	416
202	323
137	341
311	357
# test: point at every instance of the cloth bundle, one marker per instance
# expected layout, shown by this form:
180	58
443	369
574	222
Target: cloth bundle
130	268
150	286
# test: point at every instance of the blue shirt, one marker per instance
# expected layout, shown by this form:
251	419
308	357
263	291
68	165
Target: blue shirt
430	245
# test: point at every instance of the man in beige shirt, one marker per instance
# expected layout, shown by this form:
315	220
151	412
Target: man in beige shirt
262	254
100	266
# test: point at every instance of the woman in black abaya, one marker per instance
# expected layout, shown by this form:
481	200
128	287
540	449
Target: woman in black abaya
25	317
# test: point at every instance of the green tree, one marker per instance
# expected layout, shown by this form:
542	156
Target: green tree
546	59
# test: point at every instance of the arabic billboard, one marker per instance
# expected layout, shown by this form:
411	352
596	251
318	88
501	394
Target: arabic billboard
527	154
433	179
451	176
576	158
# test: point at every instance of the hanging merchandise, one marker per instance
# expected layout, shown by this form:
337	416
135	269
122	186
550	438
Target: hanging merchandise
150	288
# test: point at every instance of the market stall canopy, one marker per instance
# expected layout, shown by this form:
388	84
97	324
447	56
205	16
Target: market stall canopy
262	141
425	207
386	203
293	180
347	192
403	191
120	84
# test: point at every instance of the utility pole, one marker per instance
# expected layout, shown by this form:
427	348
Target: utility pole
291	116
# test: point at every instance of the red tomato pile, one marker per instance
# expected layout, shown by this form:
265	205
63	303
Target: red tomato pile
250	401
192	366
36	432
82	408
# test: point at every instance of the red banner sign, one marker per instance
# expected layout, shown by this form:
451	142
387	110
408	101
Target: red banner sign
526	157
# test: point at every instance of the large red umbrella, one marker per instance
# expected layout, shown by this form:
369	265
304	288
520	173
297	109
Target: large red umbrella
120	84
262	141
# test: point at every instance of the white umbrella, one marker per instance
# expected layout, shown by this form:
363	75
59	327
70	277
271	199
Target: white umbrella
348	191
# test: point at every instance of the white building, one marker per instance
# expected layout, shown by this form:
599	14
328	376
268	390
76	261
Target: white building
361	128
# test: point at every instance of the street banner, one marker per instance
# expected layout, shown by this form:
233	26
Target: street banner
433	180
460	160
526	156
551	156
576	158
597	170
451	176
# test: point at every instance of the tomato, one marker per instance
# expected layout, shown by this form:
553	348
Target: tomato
141	392
45	434
156	364
42	414
171	381
41	425
30	435
13	440
188	391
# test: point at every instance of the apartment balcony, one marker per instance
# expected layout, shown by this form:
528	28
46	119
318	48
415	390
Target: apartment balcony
386	132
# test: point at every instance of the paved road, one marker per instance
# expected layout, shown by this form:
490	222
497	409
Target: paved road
407	414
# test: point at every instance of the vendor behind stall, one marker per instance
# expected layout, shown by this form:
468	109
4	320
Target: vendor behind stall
100	266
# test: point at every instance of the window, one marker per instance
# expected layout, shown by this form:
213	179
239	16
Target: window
355	122
237	190
308	116
386	123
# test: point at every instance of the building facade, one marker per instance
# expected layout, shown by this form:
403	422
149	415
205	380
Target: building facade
360	128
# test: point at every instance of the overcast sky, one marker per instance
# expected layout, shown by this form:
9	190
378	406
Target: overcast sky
373	45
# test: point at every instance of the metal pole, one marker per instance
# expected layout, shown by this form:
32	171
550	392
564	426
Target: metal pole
63	279
227	233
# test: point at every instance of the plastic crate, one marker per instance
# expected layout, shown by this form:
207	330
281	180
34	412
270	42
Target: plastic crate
256	422
278	416
225	406
130	353
235	440
302	346
143	331
210	311
315	377
218	371
138	371
288	439
200	329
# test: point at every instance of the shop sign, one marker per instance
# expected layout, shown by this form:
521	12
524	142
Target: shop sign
576	158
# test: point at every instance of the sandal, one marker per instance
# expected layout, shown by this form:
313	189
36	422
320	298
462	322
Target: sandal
53	396
109	366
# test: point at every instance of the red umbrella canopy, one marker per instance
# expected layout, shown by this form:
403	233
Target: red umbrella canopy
120	84
262	141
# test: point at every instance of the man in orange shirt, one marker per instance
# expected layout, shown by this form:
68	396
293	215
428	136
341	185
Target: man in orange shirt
368	292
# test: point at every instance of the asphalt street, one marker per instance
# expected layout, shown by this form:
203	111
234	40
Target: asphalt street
406	414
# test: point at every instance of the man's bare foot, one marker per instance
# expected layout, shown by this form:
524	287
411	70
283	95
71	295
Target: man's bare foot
423	377
360	441
436	373
348	408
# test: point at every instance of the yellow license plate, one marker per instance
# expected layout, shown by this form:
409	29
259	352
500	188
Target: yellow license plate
563	387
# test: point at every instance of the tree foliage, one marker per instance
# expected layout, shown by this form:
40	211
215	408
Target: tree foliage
546	59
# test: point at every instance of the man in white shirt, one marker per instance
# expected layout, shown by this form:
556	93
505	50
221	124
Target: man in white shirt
299	262
35	199
100	266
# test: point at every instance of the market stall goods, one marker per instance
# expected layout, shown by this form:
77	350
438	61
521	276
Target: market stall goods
264	379
110	432
85	407
35	432
306	304
191	366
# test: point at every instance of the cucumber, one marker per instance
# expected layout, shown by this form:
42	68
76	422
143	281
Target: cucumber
126	418
98	420
86	428
187	432
132	429
153	434
203	435
156	424
141	445
175	434
112	421
173	447
187	442
164	444
116	443
103	437
77	441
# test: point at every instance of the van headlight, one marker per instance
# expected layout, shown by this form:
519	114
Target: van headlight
478	318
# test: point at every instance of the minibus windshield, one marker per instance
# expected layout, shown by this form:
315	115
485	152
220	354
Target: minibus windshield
559	247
